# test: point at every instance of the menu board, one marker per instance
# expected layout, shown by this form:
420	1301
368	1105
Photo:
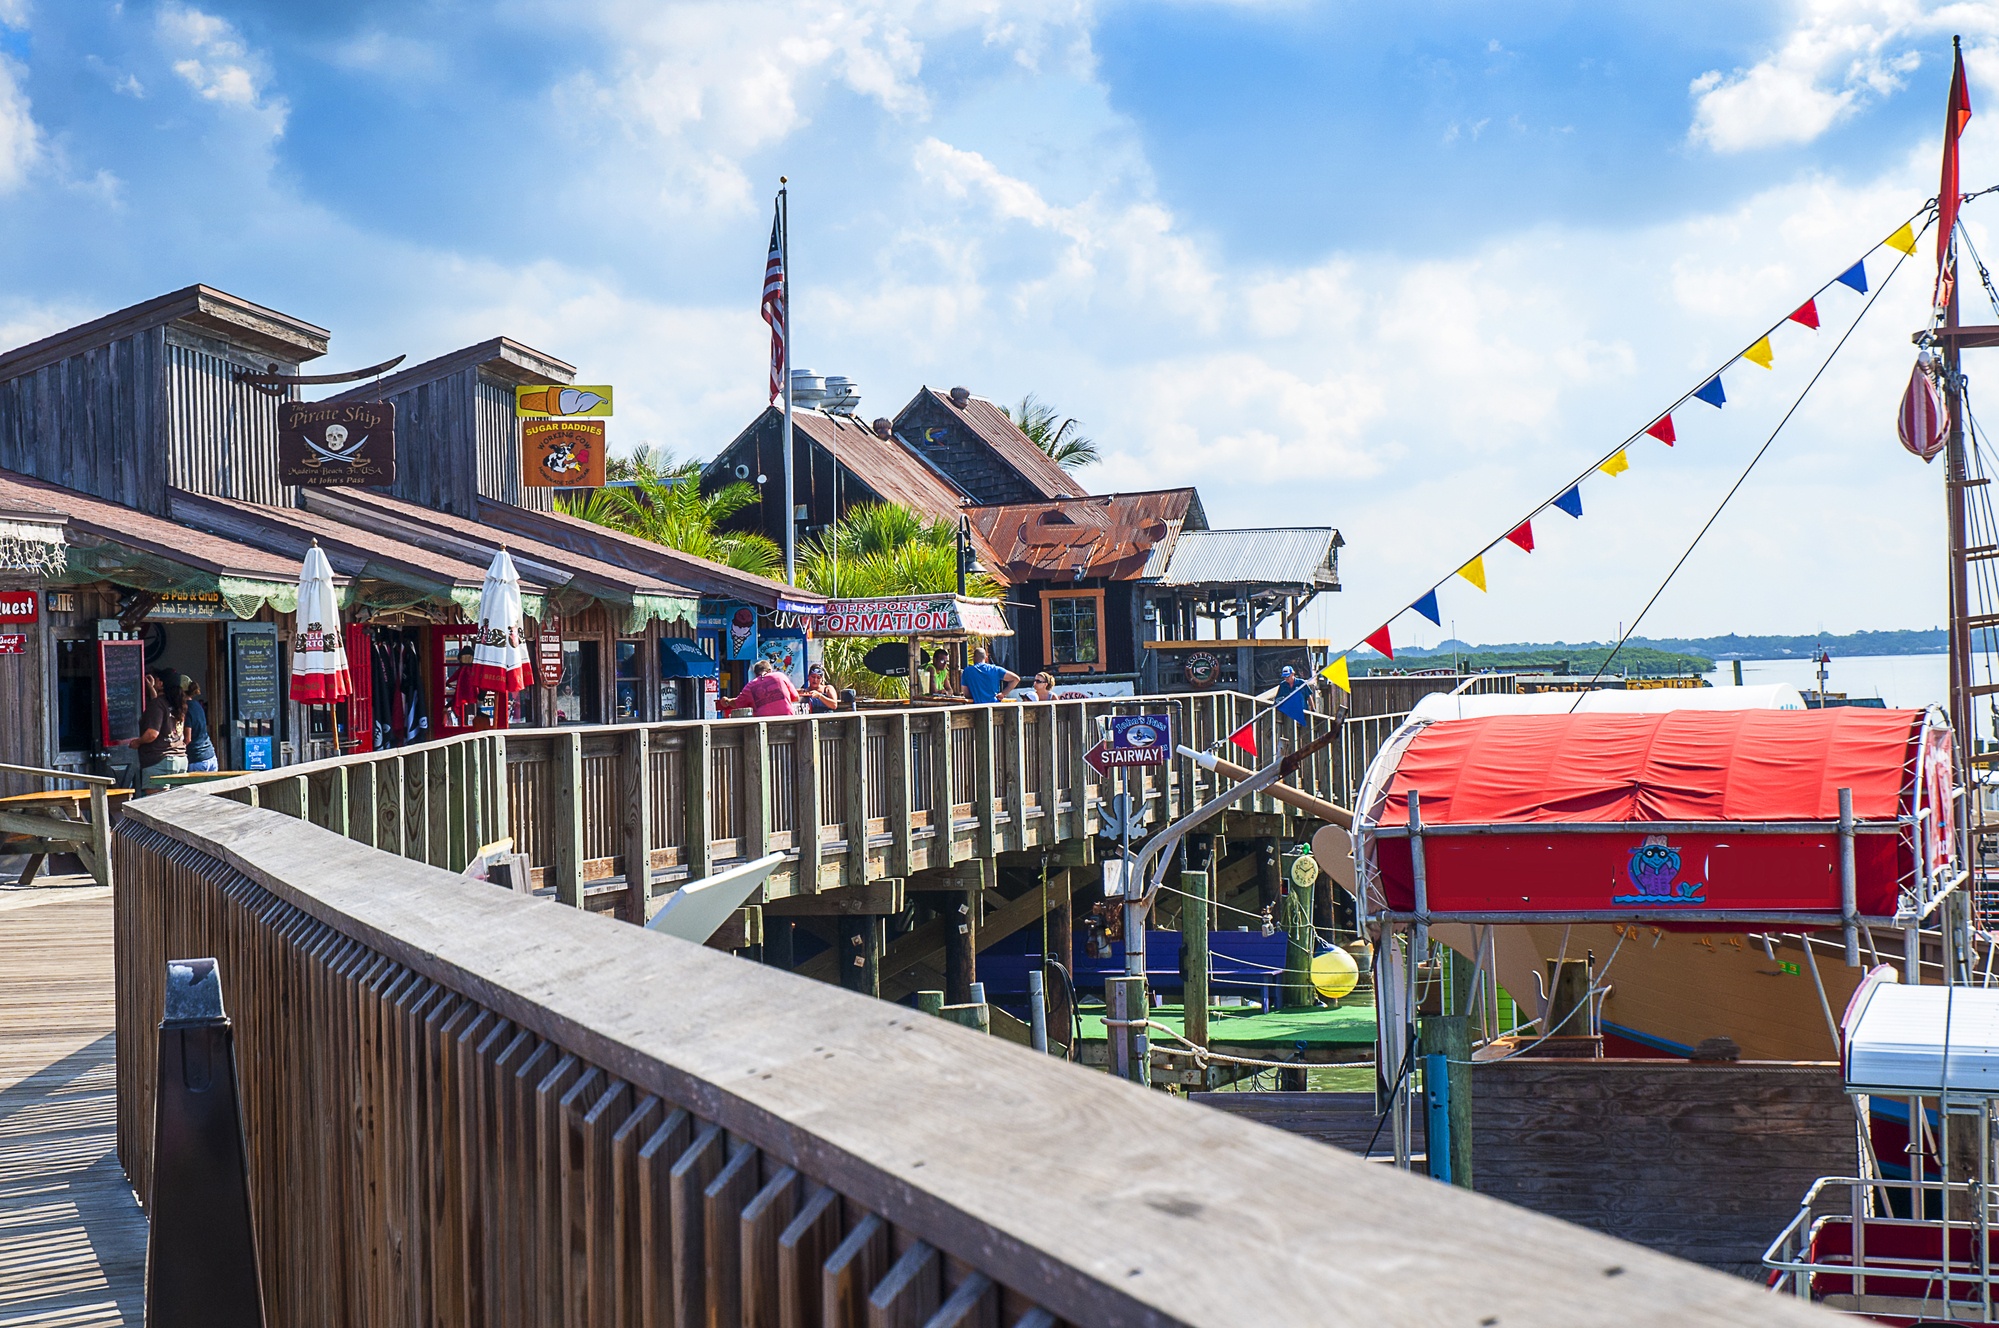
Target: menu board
121	689
253	665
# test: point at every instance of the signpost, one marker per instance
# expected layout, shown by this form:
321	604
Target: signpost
13	643
548	654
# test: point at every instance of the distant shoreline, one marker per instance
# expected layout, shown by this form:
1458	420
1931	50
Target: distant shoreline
1932	641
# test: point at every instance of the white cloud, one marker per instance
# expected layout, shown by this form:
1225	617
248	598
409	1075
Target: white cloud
20	136
1838	56
215	61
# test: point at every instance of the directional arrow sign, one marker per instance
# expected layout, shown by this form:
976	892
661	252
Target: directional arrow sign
1103	757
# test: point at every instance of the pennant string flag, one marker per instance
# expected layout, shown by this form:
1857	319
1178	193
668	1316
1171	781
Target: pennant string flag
1570	500
1245	737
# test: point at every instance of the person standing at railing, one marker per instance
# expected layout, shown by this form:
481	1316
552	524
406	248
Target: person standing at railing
983	683
819	693
768	694
200	745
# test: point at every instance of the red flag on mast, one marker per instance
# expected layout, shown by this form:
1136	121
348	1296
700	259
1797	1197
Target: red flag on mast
1955	118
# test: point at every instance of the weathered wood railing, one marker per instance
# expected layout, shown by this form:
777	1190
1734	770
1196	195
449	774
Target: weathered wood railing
853	797
469	1106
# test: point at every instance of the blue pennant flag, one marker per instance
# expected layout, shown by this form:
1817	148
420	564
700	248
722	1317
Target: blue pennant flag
1856	276
1711	392
1571	502
1292	707
1427	606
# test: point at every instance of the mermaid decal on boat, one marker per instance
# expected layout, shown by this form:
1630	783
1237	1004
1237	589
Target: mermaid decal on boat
1654	870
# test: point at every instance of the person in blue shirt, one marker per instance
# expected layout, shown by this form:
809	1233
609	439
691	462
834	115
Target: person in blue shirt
200	746
986	683
1287	682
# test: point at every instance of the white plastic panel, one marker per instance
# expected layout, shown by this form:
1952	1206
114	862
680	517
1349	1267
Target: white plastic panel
1971	1063
1897	1043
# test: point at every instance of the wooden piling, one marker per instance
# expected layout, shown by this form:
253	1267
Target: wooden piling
1449	1036
1194	949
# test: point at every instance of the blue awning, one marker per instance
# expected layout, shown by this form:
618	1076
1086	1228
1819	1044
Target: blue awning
681	658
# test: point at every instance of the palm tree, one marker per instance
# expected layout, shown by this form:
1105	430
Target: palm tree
882	549
658	498
1037	419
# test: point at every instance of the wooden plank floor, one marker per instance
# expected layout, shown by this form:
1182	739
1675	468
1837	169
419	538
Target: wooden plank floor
72	1238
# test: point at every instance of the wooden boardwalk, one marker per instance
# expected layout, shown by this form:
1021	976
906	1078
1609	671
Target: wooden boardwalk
72	1237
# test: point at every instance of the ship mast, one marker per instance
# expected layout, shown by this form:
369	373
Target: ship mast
1955	476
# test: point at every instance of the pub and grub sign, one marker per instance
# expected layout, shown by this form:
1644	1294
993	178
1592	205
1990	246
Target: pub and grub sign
326	443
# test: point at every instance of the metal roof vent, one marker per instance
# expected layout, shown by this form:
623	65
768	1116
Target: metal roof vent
884	427
808	389
960	395
842	395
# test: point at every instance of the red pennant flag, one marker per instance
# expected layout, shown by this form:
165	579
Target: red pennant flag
1245	737
1956	115
1523	535
1381	642
1808	314
1663	430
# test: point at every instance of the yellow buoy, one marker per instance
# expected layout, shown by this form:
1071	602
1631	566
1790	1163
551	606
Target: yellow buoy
1334	973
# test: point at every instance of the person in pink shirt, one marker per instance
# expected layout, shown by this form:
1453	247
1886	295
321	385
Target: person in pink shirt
768	693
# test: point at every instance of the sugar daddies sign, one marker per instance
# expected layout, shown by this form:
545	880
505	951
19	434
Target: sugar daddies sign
913	615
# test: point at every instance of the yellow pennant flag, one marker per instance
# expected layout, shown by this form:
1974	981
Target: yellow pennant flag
1336	674
1760	353
1904	239
1617	464
1474	571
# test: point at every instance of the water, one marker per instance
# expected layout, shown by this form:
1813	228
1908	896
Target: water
1906	681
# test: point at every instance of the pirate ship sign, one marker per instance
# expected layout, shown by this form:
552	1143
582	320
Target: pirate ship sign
326	443
565	454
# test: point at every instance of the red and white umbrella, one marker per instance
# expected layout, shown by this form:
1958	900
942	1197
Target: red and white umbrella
500	652
319	655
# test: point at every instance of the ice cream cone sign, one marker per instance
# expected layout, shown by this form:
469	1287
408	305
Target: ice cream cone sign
545	400
743	633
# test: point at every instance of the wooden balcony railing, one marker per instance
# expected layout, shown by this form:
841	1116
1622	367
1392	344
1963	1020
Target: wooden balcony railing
469	1106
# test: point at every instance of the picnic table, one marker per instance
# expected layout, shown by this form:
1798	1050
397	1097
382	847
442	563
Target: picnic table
73	820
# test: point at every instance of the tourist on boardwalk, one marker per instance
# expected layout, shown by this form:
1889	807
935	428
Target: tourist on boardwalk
200	746
1044	686
768	693
162	740
1287	682
819	693
986	683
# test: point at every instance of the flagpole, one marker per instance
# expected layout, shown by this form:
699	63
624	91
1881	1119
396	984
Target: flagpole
784	276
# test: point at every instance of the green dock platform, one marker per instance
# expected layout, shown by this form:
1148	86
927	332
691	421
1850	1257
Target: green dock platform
1329	1035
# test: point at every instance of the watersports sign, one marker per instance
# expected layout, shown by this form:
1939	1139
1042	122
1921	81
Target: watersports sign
323	444
915	615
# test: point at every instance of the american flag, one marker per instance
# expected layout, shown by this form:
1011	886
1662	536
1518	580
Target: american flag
773	307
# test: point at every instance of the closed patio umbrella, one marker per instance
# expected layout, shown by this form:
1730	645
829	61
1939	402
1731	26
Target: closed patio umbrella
319	655
500	651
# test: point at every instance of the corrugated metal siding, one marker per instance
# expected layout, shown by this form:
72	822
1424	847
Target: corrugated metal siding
221	435
92	422
1265	557
499	446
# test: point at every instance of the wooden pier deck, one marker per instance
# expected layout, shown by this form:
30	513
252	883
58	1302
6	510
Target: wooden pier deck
72	1237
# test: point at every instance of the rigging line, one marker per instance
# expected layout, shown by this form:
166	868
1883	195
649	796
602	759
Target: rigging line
1984	273
1740	480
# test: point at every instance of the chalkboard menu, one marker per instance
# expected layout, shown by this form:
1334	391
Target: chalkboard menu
253	665
121	695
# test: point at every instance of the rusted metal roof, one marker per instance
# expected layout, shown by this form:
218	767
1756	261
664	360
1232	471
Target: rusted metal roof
124	526
616	546
1001	434
895	472
1112	535
1301	558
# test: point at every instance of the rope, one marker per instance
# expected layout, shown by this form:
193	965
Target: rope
1741	479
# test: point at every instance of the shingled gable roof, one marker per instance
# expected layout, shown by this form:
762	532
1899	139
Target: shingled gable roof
501	356
1004	437
616	546
893	471
1112	535
251	326
171	541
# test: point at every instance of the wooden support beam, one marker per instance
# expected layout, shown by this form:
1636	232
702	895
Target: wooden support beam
1013	742
697	752
858	954
900	794
361	820
856	776
756	791
883	897
960	914
984	780
805	812
944	851
1194	954
565	851
636	827
744	928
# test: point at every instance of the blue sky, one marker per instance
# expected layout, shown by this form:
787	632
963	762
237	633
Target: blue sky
1399	269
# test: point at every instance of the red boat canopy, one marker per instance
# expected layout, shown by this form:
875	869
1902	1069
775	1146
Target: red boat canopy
1675	769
